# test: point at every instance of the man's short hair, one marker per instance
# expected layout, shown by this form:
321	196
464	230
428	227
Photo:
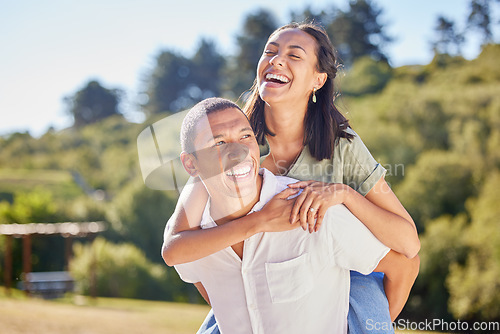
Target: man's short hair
200	110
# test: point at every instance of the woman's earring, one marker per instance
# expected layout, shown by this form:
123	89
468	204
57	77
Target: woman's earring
314	95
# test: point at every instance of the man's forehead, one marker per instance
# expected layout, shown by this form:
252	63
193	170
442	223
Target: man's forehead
220	123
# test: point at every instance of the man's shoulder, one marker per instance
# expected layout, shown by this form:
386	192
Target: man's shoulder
284	181
278	182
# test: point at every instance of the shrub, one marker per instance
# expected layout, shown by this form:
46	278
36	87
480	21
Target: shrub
367	76
122	270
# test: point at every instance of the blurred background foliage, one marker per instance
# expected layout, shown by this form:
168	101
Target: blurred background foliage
123	270
435	127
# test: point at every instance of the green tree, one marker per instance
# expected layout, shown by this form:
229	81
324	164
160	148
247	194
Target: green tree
366	76
93	103
250	44
178	82
441	246
167	83
479	18
473	284
36	206
139	217
122	270
448	40
323	17
358	32
208	64
438	184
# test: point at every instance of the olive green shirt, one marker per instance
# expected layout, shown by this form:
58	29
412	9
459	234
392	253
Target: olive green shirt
352	164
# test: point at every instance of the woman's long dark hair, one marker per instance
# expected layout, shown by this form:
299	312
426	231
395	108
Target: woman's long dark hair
323	123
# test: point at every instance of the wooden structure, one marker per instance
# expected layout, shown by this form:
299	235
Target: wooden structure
26	231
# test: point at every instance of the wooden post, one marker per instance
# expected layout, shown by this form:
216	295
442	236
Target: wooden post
93	269
68	251
26	261
8	264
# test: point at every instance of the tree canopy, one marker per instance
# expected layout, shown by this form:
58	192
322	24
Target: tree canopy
93	103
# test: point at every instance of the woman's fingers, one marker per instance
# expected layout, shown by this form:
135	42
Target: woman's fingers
305	212
320	214
311	205
307	188
298	204
311	218
300	184
287	193
315	217
317	210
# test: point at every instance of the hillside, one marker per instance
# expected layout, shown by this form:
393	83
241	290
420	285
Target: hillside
436	129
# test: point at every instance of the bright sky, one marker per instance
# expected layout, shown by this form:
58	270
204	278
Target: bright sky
51	49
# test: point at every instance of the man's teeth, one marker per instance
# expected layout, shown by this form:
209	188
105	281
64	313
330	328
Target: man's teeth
238	172
278	77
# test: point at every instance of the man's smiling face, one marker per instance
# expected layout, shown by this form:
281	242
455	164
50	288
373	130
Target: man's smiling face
227	156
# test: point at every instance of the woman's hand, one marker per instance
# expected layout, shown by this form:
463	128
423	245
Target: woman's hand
316	197
276	213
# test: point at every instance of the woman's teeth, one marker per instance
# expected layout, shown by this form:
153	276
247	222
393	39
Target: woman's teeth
277	77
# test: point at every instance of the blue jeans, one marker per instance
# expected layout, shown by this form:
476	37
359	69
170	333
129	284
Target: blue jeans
368	308
209	326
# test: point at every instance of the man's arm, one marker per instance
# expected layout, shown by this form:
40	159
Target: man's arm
400	274
184	241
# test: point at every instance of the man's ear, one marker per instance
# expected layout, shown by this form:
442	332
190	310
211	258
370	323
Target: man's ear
188	161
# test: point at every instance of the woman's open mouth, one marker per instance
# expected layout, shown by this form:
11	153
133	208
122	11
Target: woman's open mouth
277	78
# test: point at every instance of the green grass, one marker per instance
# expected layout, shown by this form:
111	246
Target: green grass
25	180
78	314
84	315
36	176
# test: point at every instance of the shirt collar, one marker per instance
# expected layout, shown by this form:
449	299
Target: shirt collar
268	190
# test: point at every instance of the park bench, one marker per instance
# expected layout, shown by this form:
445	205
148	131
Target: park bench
48	285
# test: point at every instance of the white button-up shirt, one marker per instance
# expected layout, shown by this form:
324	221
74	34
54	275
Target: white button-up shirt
287	282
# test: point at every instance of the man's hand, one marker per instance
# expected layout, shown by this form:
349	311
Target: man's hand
276	213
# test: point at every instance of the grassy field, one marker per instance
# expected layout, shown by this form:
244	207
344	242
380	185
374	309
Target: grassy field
25	180
83	315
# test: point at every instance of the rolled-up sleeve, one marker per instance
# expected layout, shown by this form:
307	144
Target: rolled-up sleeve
361	171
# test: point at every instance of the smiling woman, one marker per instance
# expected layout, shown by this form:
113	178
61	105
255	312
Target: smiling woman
305	61
289	54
